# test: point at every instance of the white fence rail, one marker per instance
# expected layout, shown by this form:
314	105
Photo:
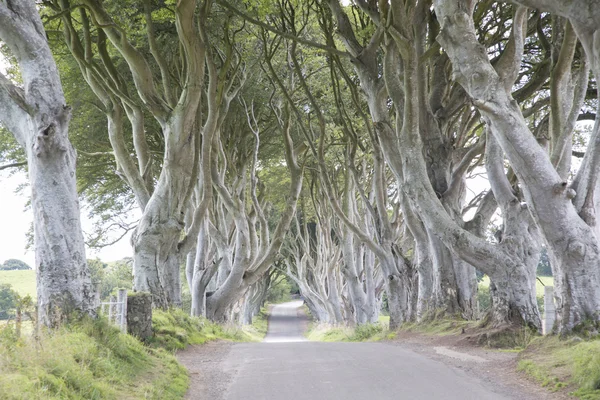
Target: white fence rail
116	310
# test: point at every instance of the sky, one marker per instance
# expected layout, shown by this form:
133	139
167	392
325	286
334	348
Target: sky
16	218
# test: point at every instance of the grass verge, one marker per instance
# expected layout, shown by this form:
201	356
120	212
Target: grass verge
258	330
88	359
361	333
564	363
570	364
91	359
175	330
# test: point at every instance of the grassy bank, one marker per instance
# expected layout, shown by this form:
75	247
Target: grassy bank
90	359
361	333
557	364
568	364
258	330
86	360
175	330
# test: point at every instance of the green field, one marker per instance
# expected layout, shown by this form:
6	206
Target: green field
23	282
547	280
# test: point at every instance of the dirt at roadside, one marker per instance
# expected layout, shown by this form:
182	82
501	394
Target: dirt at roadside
496	367
203	363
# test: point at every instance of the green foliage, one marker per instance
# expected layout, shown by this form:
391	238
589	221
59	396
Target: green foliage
484	298
279	291
10	151
587	329
13	264
116	275
175	330
7	301
86	360
365	332
544	268
586	367
97	268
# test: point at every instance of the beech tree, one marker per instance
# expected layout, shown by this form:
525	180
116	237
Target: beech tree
559	209
164	235
246	245
36	113
391	105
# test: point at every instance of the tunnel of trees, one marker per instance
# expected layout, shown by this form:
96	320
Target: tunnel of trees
372	152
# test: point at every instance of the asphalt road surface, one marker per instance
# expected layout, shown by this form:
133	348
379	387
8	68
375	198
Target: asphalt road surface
287	367
286	323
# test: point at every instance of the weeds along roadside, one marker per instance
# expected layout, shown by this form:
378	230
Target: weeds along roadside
91	359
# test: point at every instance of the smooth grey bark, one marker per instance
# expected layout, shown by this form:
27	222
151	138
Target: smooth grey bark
572	242
311	257
255	298
314	261
358	268
361	300
203	271
514	287
446	269
253	256
397	270
157	240
37	115
403	152
334	293
313	296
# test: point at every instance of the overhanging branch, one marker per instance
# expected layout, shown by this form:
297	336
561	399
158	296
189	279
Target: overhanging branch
13	165
278	32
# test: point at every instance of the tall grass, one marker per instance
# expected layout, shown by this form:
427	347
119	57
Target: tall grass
569	362
174	330
88	359
361	333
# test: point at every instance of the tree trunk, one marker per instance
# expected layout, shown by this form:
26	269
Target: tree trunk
572	242
63	280
334	295
355	287
39	118
254	299
156	258
371	305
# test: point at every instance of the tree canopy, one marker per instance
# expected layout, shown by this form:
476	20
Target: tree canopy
336	142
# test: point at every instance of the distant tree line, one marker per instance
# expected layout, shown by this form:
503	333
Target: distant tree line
14	264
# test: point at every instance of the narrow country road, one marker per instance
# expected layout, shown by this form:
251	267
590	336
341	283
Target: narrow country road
286	323
287	367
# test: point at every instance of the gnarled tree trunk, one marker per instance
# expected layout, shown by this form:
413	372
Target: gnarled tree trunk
39	119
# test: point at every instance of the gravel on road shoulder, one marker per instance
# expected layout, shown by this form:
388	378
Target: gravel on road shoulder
208	378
